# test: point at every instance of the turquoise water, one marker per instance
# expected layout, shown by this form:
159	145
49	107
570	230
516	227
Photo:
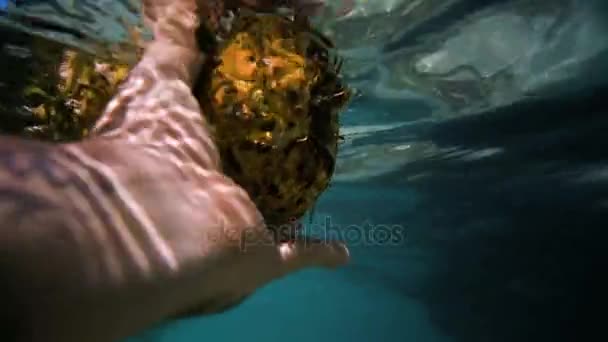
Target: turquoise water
363	302
508	247
479	139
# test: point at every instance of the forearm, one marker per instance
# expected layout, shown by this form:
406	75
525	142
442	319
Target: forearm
164	66
175	48
53	292
56	258
82	265
85	259
172	59
72	259
173	62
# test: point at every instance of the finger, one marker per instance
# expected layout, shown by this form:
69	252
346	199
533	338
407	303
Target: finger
307	252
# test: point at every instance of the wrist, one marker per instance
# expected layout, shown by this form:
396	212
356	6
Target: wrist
177	61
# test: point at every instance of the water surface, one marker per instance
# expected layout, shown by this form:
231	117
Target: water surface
479	133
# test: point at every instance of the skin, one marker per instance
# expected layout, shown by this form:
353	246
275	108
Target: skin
136	225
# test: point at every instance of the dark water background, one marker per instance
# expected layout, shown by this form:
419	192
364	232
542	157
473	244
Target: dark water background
509	248
504	237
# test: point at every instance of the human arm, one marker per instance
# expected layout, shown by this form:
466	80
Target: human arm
112	235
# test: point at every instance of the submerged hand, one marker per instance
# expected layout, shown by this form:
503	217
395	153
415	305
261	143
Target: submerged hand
238	262
136	224
222	250
235	252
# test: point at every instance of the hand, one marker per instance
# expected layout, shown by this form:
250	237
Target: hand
223	249
216	249
234	253
136	224
249	259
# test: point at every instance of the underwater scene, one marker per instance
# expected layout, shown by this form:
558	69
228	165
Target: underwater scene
457	146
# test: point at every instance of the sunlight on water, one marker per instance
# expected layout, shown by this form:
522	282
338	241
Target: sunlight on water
475	132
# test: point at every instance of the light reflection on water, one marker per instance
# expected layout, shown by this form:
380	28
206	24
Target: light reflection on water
480	132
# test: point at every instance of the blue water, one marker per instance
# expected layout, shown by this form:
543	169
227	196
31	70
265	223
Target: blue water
362	302
506	248
503	225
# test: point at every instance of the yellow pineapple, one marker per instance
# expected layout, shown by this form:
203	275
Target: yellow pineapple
273	95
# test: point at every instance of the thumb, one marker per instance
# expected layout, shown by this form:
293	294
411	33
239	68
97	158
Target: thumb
307	252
